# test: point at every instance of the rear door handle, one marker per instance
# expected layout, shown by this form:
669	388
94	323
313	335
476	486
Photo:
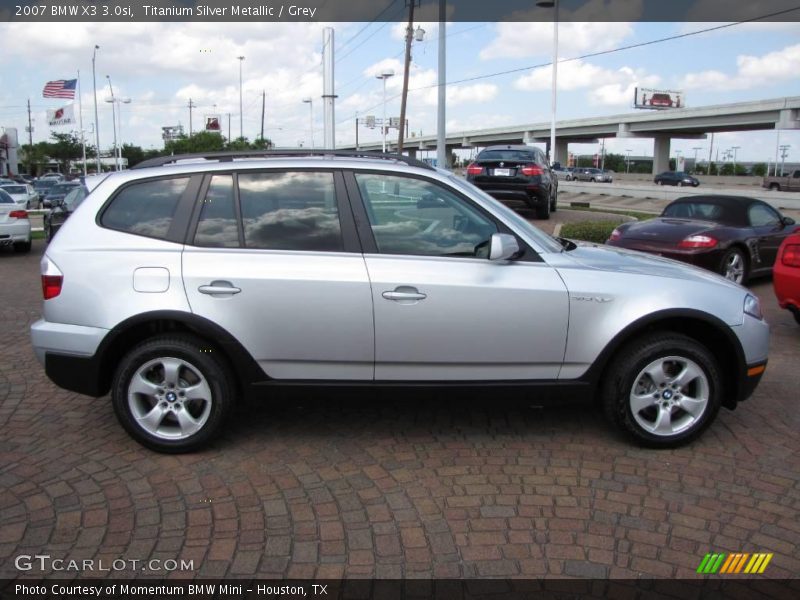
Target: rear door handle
216	288
404	293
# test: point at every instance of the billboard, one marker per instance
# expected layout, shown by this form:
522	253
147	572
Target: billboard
213	123
658	99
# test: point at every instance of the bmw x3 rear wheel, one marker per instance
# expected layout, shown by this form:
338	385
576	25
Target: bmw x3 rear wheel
171	394
663	390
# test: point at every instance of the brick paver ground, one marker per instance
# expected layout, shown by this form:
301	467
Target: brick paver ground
392	485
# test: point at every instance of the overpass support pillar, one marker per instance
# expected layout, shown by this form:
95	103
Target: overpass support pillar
412	152
561	153
661	154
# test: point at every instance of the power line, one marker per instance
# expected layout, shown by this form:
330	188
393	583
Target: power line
360	31
584	56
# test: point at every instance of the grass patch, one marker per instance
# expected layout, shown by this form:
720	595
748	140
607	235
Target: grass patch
37	235
589	231
642	216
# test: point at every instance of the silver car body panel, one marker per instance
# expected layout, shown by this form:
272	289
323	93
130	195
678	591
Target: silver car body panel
300	315
479	320
74	340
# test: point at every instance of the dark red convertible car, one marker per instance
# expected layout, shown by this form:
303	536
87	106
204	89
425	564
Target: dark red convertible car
734	236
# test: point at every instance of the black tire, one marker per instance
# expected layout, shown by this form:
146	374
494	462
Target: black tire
593	180
659	182
731	256
197	355
543	209
23	247
626	374
775	187
554	202
679	184
48	233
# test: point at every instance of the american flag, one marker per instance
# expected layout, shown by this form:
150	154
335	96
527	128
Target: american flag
63	88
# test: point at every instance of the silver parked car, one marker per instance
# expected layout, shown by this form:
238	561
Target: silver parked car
593	175
187	284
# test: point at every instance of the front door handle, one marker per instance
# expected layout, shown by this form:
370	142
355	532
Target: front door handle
216	288
404	293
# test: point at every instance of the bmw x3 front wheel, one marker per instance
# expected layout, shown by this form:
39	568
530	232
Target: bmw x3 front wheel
663	390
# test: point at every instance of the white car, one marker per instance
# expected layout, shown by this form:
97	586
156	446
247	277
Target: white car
22	193
15	227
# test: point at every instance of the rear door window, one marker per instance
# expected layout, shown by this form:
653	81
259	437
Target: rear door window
290	211
218	226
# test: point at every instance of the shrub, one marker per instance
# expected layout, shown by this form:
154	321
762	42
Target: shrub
589	231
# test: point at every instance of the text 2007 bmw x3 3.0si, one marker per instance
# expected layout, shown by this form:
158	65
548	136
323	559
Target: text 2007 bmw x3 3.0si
328	267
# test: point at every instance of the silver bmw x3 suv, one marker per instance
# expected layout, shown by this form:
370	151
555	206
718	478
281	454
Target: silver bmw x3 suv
194	282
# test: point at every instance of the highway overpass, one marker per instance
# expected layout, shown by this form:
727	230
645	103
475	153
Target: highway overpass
662	126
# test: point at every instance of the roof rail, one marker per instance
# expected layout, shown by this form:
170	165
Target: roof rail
160	161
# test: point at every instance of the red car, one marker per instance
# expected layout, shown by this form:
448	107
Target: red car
786	275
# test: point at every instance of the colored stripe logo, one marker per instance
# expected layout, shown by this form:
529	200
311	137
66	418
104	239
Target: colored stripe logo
735	563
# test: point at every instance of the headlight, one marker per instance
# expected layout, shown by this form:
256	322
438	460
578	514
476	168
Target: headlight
752	307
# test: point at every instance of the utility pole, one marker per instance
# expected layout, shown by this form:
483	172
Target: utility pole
356	132
602	156
263	103
30	138
784	154
710	150
777	147
229	128
404	98
191	106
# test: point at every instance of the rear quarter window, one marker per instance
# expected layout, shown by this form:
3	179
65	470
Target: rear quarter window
145	208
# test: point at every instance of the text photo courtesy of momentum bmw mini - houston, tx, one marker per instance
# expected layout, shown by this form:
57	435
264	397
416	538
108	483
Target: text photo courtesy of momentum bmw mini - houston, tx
399	299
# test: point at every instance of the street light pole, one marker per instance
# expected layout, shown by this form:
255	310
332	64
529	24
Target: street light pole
696	150
119	118
553	92
734	148
96	121
628	160
241	112
384	76
113	122
310	102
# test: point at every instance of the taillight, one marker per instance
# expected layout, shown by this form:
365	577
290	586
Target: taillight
615	235
698	241
18	214
531	170
474	169
791	255
52	278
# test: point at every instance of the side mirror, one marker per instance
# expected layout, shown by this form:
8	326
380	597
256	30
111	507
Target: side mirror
503	246
428	200
788	221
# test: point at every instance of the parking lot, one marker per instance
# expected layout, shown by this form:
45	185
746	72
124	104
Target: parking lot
391	485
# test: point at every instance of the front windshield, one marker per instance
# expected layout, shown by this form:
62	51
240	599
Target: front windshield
547	242
61	188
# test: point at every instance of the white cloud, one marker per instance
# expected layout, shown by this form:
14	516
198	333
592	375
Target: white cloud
752	72
613	88
522	40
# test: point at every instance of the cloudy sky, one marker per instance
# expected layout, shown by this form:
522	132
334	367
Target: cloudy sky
160	66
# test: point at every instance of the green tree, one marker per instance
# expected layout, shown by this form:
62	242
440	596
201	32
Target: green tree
134	154
64	148
726	169
759	169
202	141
